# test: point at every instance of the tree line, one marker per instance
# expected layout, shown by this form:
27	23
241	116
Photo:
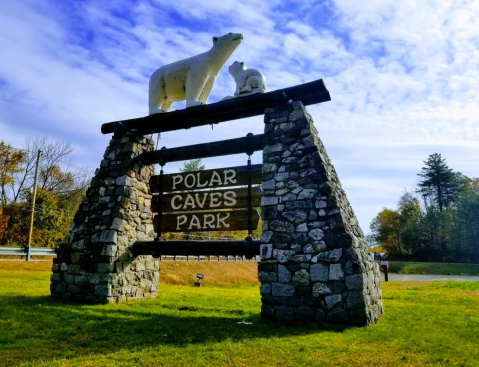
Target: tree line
436	221
60	188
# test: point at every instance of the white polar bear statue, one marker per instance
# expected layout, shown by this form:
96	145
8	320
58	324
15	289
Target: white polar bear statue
191	79
246	79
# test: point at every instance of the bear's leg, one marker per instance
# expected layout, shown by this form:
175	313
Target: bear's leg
207	89
194	86
156	98
167	105
251	82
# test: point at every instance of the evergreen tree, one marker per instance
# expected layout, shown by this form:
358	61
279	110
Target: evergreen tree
193	165
439	182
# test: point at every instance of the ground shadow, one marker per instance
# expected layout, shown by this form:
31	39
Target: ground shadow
50	328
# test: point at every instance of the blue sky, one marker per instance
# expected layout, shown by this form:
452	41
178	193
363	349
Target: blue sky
403	77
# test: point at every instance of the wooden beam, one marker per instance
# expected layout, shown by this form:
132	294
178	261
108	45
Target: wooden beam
248	144
225	220
237	108
218	177
206	200
195	248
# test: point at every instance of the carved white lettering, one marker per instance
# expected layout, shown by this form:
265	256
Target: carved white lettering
201	203
177	180
214	202
194	222
209	221
180	220
215	178
192	176
189	201
230	176
229	197
175	207
222	220
199	183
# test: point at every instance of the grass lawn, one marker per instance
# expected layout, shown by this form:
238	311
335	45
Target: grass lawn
424	324
409	267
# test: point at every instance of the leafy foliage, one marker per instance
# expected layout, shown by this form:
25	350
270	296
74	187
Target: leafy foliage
193	165
61	185
11	160
439	221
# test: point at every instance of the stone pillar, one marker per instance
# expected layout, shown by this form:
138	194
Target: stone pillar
94	263
315	262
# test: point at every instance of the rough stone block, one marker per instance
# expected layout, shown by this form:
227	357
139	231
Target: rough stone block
356	299
267	312
108	236
283	255
356	282
319	273
337	316
305	314
333	300
284	276
336	272
316	234
265	251
265	289
103	290
267	276
282	290
330	256
284	313
301	278
321	289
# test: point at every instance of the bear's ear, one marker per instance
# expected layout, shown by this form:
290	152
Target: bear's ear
215	39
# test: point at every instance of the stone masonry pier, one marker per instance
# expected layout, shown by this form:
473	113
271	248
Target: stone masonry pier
316	265
94	263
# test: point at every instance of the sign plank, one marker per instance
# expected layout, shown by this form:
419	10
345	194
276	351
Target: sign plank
206	199
232	220
207	179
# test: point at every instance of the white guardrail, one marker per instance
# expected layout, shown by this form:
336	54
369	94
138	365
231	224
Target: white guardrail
23	251
45	251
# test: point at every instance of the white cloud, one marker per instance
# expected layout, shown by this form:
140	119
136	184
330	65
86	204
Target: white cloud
402	76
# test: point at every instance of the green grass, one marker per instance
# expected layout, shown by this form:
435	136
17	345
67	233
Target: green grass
425	324
405	267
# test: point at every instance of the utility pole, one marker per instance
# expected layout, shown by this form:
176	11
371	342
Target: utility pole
32	212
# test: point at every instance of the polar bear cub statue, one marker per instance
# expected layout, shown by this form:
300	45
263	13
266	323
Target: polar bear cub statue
190	79
246	79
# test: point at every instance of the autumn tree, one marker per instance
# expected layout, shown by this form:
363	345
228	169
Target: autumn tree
61	186
11	160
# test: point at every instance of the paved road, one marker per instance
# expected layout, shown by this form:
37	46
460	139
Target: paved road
428	278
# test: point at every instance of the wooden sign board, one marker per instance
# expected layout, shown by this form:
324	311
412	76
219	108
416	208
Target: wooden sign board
232	220
206	199
207	179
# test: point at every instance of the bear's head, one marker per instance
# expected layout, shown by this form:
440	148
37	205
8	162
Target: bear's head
235	67
228	39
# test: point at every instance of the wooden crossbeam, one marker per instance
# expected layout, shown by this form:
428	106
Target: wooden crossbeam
237	108
196	248
248	144
215	178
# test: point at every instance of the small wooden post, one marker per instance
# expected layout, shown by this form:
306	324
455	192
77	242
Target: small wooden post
385	265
